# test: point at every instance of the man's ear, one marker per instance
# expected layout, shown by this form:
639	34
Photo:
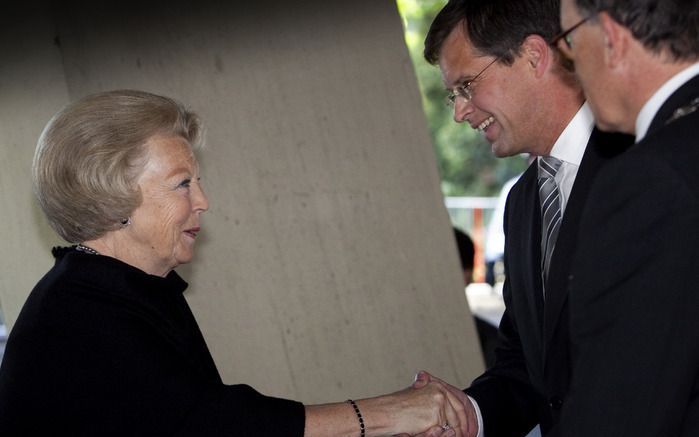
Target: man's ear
537	52
617	39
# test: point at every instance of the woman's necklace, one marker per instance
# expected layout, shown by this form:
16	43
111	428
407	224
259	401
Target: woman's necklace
86	249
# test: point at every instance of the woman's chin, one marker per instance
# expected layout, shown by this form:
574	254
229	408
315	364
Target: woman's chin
184	257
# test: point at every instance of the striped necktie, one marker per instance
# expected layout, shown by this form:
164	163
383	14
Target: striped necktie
551	215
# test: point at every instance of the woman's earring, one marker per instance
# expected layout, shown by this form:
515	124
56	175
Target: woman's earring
126	222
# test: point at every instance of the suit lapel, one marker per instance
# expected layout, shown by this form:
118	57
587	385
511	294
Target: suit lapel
533	244
526	252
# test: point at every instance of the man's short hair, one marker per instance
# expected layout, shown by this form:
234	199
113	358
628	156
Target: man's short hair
495	27
667	25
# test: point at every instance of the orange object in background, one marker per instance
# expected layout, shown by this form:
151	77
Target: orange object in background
477	235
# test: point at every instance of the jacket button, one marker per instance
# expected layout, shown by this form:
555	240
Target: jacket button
556	403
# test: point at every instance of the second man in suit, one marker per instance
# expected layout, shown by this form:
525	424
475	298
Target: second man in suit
634	294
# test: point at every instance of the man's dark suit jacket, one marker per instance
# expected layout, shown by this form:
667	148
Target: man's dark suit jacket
528	383
634	295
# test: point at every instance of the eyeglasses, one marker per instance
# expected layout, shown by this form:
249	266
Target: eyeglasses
565	35
464	90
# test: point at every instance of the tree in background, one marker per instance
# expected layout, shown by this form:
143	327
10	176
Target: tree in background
466	164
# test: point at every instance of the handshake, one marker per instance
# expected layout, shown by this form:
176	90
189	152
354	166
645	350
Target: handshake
428	408
433	408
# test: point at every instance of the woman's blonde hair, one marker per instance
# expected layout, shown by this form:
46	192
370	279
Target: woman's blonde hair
91	153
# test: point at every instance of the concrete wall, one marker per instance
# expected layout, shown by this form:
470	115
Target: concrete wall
327	268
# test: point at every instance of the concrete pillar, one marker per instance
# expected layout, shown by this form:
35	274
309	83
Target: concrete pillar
327	267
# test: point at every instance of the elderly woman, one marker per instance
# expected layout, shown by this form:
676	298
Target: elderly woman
106	344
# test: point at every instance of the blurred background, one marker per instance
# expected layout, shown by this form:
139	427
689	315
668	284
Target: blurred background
472	179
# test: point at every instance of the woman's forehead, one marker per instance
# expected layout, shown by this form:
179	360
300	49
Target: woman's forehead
169	154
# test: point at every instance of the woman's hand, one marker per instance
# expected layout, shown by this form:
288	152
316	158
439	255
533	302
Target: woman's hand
468	425
430	407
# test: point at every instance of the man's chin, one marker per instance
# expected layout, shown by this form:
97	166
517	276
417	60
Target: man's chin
608	121
500	151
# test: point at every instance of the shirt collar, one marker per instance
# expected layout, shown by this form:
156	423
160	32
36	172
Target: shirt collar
570	145
652	106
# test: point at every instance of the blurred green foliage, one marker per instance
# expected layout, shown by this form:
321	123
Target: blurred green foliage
466	163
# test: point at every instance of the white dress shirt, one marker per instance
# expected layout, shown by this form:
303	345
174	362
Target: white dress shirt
569	148
651	107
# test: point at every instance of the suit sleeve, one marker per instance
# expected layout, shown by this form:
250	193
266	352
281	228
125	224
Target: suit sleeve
633	303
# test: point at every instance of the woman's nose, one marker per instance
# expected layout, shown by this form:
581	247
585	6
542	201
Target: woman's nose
201	202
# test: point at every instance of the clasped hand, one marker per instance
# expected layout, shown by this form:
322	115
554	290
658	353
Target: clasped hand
433	408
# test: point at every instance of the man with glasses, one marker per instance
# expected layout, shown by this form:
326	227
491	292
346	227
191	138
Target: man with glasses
506	80
634	294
